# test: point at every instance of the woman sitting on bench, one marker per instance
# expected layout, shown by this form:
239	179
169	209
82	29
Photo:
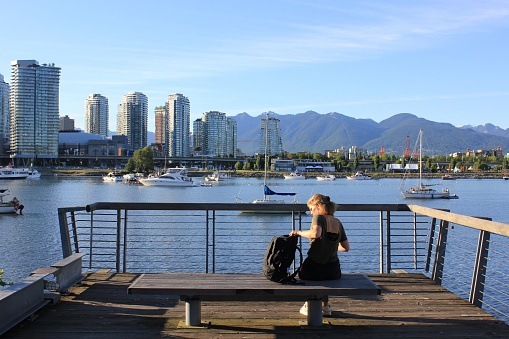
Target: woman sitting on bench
327	236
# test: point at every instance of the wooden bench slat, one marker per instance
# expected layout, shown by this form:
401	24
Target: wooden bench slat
239	284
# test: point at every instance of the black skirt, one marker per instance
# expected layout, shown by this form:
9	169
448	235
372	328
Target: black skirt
311	270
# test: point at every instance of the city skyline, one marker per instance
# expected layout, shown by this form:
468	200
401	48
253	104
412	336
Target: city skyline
440	60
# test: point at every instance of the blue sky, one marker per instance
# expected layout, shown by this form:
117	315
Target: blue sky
445	61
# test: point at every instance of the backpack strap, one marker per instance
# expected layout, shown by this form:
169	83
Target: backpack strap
291	278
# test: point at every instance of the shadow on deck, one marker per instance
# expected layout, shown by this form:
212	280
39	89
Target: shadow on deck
411	305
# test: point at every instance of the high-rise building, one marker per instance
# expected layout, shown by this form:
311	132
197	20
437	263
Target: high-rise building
215	134
34	109
4	109
231	137
199	137
161	127
132	119
270	136
97	114
178	115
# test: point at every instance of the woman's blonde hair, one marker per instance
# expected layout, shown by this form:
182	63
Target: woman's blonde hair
324	200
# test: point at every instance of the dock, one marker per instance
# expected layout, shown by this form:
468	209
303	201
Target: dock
411	305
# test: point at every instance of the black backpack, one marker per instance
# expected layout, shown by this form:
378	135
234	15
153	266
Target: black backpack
279	256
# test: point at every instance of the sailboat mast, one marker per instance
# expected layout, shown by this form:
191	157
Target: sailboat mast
266	150
420	158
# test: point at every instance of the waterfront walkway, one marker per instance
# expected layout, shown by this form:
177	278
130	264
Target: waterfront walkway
411	305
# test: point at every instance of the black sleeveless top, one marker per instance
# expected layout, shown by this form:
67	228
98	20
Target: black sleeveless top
325	249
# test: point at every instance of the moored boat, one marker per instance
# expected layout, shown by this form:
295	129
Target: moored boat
174	177
33	173
359	176
448	177
10	172
423	191
9	207
329	177
294	176
113	177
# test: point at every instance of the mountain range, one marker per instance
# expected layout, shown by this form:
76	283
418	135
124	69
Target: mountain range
313	132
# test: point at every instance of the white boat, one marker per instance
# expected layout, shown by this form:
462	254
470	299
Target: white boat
10	172
33	174
9	207
113	177
174	177
359	176
217	176
294	176
329	177
423	191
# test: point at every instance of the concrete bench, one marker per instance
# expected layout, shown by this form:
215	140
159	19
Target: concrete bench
194	288
66	271
24	298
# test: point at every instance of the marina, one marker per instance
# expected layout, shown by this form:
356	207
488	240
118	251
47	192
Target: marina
60	192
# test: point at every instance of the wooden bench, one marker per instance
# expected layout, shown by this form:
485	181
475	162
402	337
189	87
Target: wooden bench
193	288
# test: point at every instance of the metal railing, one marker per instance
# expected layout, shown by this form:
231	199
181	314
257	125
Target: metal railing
451	249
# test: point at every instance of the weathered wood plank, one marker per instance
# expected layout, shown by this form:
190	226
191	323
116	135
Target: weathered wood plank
101	308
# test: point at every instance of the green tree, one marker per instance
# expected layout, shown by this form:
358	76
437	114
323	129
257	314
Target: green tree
356	162
238	165
376	162
247	165
130	167
144	159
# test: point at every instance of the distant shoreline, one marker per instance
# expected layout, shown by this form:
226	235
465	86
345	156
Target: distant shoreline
311	175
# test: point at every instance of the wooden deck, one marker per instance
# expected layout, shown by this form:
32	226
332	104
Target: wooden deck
410	306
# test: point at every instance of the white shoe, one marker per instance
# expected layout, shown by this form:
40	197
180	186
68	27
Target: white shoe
326	310
304	309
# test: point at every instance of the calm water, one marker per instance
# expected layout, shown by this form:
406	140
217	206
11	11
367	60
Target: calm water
32	240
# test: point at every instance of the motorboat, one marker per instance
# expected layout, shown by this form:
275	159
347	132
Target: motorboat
9	207
329	177
10	172
448	177
359	176
113	177
217	176
174	177
423	191
33	174
294	176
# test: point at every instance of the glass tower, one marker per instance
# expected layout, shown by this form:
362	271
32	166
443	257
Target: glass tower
179	115
34	108
96	114
132	119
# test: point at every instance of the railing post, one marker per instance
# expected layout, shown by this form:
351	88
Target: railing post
430	243
124	265
214	241
388	243
479	274
438	266
207	245
74	233
117	245
415	241
381	249
64	233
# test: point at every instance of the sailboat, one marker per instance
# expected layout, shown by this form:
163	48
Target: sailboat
423	191
267	192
